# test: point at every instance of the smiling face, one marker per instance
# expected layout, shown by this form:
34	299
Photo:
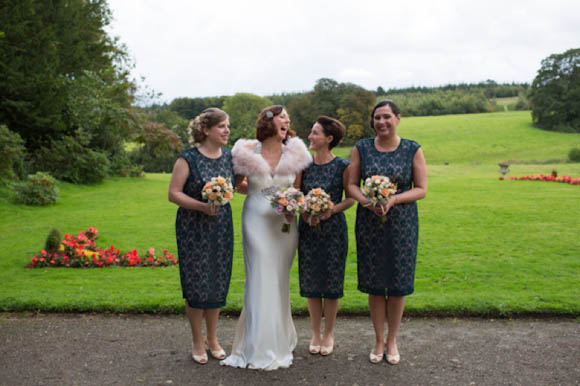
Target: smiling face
385	121
281	124
219	133
318	140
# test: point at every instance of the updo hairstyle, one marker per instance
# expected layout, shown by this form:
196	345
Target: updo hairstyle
206	120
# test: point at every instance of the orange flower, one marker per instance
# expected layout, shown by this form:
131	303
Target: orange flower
283	201
212	196
228	195
317	191
221	180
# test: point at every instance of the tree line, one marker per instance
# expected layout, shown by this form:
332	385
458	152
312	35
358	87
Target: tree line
68	104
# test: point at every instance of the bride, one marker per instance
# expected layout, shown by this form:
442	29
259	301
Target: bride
265	335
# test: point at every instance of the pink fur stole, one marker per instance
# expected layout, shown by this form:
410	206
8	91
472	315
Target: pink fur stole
295	158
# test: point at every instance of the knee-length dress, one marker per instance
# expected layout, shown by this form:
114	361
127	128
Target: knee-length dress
322	255
387	251
205	243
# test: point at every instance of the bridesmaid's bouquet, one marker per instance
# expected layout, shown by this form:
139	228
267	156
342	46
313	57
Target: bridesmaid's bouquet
218	191
288	201
378	189
318	202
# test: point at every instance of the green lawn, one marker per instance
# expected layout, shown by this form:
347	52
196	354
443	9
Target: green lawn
487	247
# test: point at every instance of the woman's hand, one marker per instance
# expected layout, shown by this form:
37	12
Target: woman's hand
383	208
210	209
326	215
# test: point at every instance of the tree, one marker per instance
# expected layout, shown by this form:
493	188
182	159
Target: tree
189	108
555	92
46	47
349	103
243	109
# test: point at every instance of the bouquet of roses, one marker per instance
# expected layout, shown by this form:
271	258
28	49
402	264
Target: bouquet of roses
288	201
218	191
318	202
378	189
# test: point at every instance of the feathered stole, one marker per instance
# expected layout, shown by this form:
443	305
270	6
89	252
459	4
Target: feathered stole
295	158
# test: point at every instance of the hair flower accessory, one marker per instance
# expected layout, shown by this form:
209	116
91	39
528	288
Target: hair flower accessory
269	114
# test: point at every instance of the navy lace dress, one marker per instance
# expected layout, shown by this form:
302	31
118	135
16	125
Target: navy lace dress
387	251
322	255
205	243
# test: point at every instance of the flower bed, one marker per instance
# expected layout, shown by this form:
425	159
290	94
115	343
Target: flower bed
81	251
549	178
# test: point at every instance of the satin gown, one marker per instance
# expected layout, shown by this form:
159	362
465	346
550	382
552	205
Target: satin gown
265	335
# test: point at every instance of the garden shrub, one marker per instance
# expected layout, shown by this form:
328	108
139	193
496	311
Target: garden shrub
38	189
53	241
160	149
13	153
574	154
69	160
122	166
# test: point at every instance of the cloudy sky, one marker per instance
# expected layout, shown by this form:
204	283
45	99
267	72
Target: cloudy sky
196	48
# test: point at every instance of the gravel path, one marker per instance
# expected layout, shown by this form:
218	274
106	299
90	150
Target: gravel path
94	349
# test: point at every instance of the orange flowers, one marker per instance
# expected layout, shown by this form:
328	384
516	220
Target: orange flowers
218	191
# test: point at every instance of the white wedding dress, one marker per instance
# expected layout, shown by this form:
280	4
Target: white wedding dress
265	335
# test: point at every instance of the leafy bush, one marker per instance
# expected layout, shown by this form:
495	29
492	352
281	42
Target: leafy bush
13	153
69	160
38	189
574	155
160	149
122	166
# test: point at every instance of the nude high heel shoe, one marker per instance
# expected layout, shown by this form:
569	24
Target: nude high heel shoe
201	359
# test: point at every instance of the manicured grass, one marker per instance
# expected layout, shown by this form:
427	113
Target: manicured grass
487	247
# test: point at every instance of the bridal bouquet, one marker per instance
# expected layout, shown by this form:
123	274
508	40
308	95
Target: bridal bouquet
378	189
218	191
288	201
318	202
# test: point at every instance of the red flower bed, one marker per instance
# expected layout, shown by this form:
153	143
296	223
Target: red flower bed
549	178
81	251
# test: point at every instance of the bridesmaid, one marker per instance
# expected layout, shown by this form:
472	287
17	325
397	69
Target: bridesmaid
204	232
387	251
322	255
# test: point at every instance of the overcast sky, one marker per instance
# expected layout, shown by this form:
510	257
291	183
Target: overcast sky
191	48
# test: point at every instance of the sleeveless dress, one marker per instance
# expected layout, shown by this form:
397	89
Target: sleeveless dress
205	244
387	251
322	255
265	334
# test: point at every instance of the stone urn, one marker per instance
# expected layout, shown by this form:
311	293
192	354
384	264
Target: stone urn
503	169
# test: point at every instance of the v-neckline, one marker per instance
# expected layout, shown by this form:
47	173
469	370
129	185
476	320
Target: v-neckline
272	171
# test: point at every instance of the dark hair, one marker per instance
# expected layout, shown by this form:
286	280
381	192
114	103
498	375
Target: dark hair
333	127
207	119
265	123
386	102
